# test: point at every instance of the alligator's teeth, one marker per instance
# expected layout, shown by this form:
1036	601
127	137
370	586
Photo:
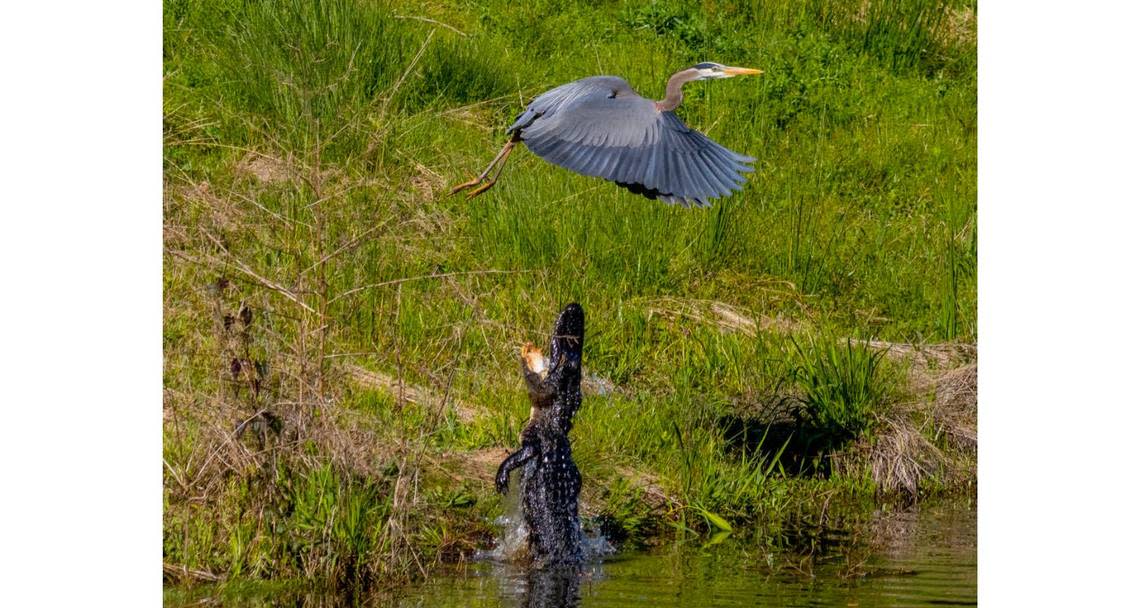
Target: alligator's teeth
534	359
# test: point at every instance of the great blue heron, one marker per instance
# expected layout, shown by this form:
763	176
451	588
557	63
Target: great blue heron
599	126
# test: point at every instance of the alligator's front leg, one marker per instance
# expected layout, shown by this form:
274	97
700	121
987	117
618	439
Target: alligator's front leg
503	477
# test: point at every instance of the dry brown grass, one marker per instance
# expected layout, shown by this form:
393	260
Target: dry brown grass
182	574
899	456
932	435
248	416
956	406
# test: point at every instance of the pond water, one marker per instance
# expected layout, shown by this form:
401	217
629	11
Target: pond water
922	556
925	556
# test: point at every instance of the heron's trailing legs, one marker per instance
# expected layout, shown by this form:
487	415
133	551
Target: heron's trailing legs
482	183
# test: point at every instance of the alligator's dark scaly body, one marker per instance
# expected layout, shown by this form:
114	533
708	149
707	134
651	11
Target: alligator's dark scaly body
550	480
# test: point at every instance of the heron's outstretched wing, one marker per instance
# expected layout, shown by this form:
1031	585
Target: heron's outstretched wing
598	126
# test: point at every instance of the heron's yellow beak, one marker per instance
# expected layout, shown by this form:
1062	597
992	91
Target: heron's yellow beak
742	71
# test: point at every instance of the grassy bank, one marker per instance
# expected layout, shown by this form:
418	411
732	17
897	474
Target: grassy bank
340	337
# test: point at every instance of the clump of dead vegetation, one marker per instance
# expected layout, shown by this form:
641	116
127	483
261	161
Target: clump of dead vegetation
263	478
927	442
266	474
902	415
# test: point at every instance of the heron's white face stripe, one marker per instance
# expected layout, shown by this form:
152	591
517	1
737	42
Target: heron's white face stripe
711	74
715	71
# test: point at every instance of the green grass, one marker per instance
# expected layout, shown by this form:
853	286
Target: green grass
308	147
842	385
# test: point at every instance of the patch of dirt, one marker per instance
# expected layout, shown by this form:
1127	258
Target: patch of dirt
427	182
266	169
419	395
657	497
928	355
223	215
478	464
725	316
959	26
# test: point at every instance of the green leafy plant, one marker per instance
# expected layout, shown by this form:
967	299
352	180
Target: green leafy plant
843	385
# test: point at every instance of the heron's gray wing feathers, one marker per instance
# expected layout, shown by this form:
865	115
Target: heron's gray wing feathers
599	127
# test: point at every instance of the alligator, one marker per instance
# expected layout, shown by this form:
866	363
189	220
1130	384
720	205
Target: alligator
550	481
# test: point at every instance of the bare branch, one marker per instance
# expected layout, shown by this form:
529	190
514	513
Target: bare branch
258	278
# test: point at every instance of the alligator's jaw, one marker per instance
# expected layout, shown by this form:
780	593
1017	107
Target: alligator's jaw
569	330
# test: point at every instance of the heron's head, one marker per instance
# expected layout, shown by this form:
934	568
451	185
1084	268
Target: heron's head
710	71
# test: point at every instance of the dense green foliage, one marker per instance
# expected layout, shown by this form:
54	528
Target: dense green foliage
308	147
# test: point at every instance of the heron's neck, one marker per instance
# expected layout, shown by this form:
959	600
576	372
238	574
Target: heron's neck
673	93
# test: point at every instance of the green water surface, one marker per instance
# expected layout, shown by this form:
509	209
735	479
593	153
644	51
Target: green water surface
919	557
922	556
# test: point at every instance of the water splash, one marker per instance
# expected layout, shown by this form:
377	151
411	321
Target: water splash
511	543
595	545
